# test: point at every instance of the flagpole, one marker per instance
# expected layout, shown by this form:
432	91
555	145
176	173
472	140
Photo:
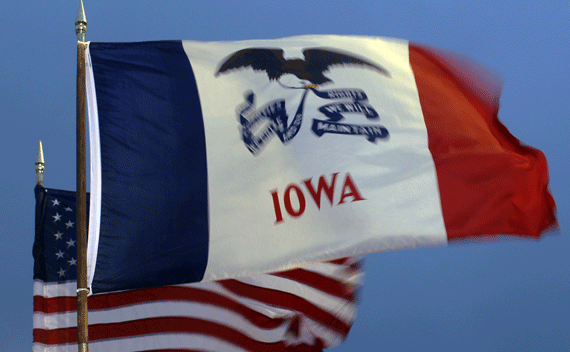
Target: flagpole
81	188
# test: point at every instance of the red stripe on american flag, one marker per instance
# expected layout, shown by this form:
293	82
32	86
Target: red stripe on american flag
55	304
161	294
340	261
55	336
157	326
320	282
354	267
287	300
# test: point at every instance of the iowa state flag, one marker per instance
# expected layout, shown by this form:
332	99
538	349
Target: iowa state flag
227	159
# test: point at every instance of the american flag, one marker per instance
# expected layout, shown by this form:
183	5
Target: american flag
303	309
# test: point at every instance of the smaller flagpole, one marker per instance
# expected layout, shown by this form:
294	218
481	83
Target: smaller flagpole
40	165
81	190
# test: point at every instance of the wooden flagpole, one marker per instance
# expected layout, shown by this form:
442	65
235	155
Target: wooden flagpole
81	190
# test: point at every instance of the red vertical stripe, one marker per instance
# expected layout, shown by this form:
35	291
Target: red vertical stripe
489	183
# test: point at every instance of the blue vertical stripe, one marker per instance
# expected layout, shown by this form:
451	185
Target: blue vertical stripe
154	200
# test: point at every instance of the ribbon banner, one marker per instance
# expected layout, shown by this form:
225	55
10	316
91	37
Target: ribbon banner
335	111
276	115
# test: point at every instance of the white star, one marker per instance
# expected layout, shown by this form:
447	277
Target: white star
58	235
61	272
72	261
55	202
70	243
56	217
59	254
69	224
68	209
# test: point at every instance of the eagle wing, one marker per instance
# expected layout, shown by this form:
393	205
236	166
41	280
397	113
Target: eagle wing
322	59
269	60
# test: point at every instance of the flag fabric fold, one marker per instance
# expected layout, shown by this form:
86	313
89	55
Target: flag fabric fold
228	159
304	309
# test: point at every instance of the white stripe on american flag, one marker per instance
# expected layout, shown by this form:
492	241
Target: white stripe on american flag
49	290
163	310
314	305
142	343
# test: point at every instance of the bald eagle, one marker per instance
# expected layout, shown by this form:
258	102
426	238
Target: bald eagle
312	68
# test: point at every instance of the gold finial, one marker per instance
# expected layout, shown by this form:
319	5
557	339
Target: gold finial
81	23
40	165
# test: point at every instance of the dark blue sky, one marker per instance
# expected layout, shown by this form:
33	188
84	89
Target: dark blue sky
510	295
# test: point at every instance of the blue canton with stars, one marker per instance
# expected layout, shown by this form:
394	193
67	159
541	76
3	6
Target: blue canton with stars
55	245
